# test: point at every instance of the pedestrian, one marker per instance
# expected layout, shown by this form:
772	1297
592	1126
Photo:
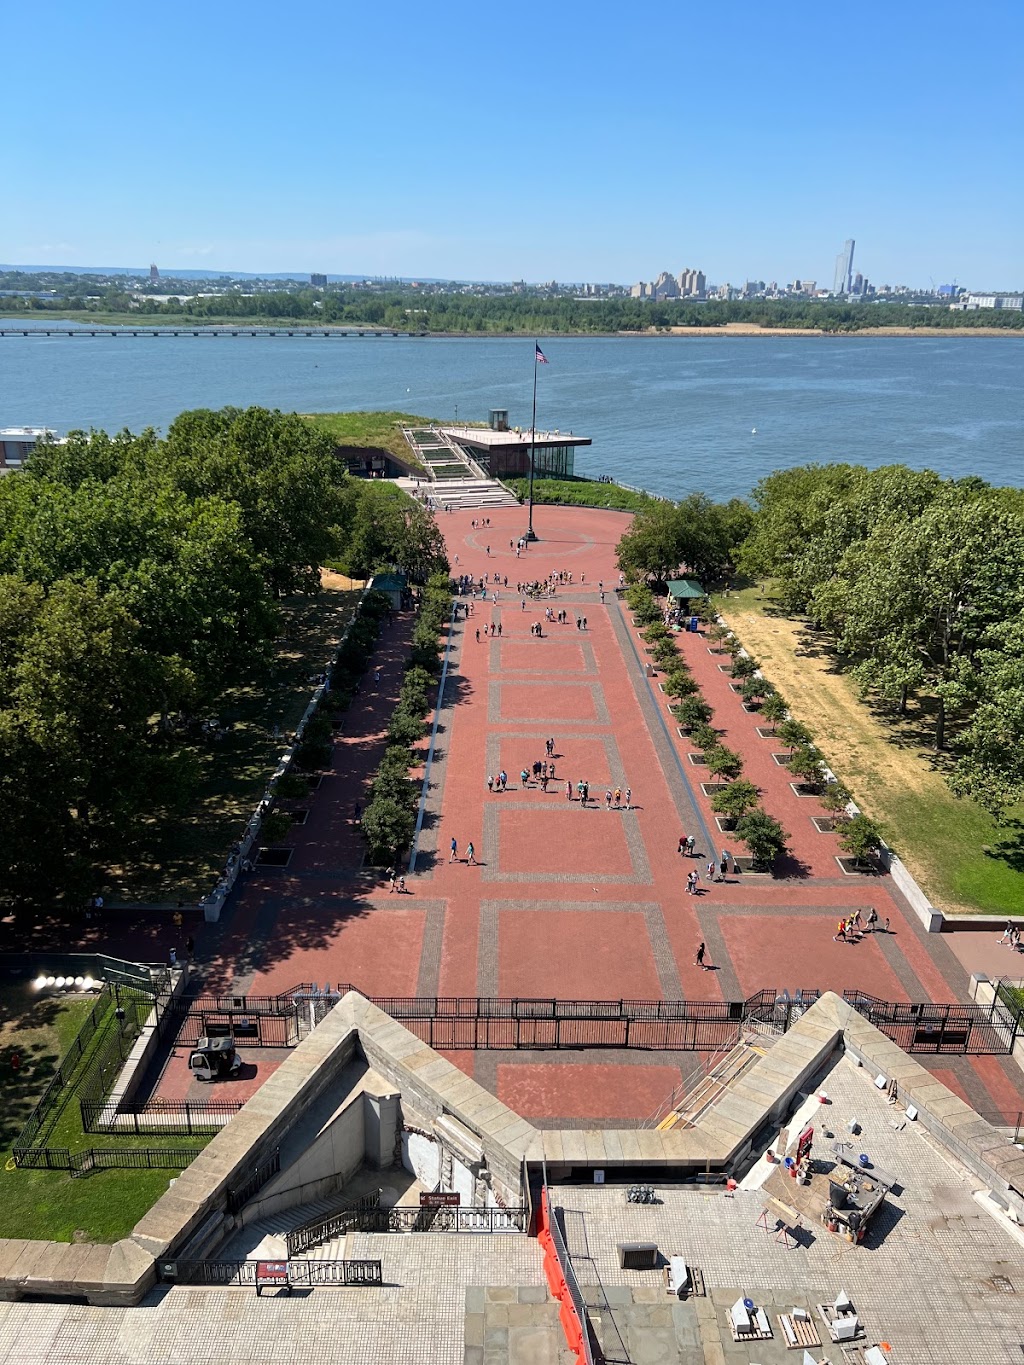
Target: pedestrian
608	799
401	886
524	778
690	844
710	872
177	920
855	921
504	779
692	878
568	791
478	636
190	948
488	549
455	850
376	675
700	958
551	771
628	798
392	879
490	783
872	920
470	854
172	958
886	927
681	846
584	623
499	629
724	866
840	932
1008	933
618	797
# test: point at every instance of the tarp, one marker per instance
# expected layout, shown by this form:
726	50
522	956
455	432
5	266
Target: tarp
685	588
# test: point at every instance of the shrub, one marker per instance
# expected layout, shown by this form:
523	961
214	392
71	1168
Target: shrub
735	800
666	653
860	837
723	762
312	758
638	595
718	634
692	711
656	631
648	612
764	836
394	784
318	730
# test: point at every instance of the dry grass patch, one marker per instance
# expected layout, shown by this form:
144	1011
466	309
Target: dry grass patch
961	858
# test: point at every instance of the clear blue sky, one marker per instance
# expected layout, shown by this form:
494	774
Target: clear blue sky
569	140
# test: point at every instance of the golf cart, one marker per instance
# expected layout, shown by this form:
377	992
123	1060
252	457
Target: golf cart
214	1059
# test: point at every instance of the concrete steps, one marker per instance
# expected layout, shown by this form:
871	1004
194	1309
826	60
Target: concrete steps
275	1227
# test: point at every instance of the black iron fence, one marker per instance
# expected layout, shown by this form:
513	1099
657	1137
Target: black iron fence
104	1158
301	1274
172	1117
249	1020
142	976
973	1030
322	1230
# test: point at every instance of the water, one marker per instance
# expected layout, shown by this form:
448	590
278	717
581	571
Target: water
670	415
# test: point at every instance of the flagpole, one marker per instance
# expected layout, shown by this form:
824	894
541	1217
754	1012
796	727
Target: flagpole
530	533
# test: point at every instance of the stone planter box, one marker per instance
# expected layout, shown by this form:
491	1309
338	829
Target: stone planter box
683	733
824	824
726	823
765	732
725	668
752	707
299	817
276	856
696	758
804	791
709	788
782	759
850	868
745	866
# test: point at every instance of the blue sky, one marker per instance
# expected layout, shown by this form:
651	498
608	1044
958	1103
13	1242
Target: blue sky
570	141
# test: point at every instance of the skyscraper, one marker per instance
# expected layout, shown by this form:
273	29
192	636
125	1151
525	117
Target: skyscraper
844	268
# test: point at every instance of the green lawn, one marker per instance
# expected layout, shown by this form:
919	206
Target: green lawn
372	430
963	860
101	1206
580	493
180	854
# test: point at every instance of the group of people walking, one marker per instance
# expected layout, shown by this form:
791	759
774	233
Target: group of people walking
852	928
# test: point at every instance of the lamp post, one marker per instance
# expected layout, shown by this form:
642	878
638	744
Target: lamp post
539	358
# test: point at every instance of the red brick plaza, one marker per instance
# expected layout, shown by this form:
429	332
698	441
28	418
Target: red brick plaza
564	900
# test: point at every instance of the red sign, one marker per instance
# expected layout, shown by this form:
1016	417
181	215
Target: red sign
439	1199
271	1272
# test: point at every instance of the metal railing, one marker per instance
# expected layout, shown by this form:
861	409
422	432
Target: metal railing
104	1159
265	1170
157	1115
301	1274
972	1030
337	1224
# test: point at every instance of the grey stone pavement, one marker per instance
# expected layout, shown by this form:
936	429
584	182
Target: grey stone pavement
933	1284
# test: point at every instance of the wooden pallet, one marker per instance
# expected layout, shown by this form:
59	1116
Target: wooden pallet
697	1288
755	1335
798	1333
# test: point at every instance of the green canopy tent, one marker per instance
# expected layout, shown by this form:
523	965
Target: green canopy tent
685	590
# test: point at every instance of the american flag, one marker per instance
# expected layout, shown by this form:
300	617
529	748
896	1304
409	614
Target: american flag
541	358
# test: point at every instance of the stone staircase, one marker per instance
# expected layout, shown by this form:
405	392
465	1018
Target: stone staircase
686	1104
265	1237
460	494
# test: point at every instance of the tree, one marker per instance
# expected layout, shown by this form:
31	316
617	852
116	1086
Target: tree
679	682
692	711
743	666
861	838
388	828
754	689
723	762
717	634
806	765
764	836
735	800
774	710
705	736
835	798
652	547
793	733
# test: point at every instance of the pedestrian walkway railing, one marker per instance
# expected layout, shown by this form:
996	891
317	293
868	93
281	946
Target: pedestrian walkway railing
257	1177
337	1224
104	1159
295	1275
973	1029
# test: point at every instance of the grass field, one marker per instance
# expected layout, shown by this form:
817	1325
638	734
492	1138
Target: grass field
100	1207
963	860
581	493
373	430
181	854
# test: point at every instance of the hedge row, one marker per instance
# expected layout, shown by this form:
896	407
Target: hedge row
390	816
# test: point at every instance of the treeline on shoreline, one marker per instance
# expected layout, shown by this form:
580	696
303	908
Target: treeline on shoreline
411	310
141	580
917	581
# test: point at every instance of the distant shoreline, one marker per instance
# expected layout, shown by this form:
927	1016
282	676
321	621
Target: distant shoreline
34	322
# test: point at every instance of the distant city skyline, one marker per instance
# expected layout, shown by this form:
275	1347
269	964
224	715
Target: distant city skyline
602	168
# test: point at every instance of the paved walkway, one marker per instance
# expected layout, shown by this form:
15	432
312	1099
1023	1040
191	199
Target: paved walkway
566	901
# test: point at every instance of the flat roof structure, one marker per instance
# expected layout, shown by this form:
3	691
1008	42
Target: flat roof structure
485	438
